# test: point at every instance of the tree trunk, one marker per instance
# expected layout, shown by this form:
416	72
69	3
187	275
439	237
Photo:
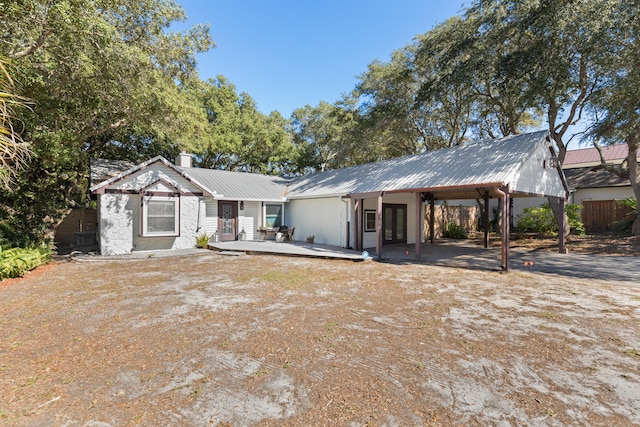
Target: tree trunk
554	203
556	206
633	141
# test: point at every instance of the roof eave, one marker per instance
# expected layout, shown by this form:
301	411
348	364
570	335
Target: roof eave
100	188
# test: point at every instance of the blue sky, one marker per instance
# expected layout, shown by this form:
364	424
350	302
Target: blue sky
286	54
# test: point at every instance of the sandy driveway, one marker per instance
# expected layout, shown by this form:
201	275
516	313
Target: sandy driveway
205	339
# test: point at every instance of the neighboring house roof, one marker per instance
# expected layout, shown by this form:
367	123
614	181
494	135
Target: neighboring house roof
590	156
586	177
240	185
462	168
103	169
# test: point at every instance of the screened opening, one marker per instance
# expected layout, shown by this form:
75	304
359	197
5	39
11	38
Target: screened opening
273	216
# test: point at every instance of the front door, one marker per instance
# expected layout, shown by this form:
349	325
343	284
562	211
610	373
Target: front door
394	224
227	220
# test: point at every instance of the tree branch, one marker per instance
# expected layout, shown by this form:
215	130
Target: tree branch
30	49
620	170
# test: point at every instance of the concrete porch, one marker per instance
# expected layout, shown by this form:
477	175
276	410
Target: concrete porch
289	248
460	254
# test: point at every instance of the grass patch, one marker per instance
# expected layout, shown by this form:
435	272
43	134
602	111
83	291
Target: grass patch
290	279
197	386
633	352
329	331
550	315
261	373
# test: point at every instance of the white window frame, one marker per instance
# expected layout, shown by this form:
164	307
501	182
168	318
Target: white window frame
145	211
368	212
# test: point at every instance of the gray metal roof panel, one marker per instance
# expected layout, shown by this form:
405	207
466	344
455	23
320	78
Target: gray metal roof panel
493	161
240	185
104	169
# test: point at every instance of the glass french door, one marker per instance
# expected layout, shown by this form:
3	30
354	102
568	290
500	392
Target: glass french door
394	224
227	219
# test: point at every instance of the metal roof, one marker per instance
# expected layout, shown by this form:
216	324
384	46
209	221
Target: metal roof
102	186
457	172
588	178
104	169
481	164
239	185
590	156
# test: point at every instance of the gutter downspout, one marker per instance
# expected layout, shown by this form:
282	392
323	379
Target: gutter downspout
504	193
379	226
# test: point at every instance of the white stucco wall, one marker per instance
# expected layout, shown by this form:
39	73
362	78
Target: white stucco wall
116	213
324	218
119	217
189	206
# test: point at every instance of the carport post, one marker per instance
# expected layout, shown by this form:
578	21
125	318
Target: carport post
485	219
432	217
504	192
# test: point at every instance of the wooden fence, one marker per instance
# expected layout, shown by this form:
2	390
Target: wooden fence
464	216
78	220
600	215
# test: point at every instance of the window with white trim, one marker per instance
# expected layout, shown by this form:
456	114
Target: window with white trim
370	220
160	216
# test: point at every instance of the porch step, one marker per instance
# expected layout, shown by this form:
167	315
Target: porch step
231	253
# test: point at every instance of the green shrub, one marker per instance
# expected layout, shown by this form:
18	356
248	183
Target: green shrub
542	220
202	241
454	231
625	225
632	203
15	262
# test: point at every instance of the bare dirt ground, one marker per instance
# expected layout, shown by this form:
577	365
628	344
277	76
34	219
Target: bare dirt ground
600	244
212	340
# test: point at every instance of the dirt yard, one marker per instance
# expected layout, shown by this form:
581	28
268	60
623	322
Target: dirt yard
213	340
600	244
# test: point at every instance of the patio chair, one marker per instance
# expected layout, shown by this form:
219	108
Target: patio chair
288	235
262	233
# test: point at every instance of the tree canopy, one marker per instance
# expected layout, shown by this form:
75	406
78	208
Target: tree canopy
238	137
14	152
95	72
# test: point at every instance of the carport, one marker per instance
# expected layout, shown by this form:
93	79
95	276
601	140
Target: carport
517	166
